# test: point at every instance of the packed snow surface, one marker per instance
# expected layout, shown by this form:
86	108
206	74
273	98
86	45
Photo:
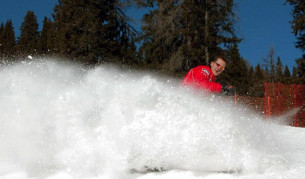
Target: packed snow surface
61	120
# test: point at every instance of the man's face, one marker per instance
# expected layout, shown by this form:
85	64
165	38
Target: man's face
218	66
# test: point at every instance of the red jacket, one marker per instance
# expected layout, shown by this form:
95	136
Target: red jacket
201	77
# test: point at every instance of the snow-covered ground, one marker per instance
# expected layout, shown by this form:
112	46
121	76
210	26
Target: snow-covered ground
63	121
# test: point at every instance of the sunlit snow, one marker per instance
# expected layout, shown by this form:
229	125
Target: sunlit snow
60	120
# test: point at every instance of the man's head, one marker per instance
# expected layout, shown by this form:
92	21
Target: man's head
218	65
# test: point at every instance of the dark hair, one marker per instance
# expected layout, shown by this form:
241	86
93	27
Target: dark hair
221	57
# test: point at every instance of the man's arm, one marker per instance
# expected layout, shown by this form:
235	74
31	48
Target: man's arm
205	80
210	86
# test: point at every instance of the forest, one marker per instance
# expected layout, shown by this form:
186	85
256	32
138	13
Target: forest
171	40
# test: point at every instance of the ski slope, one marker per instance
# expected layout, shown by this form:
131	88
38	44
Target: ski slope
61	120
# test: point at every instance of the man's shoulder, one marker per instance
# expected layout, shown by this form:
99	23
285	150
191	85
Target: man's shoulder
205	70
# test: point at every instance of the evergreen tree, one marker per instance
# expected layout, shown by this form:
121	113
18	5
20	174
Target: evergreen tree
91	31
294	75
46	41
119	35
175	39
29	35
8	40
279	71
257	90
250	80
1	38
298	29
1	29
301	70
258	73
237	71
287	76
287	72
298	22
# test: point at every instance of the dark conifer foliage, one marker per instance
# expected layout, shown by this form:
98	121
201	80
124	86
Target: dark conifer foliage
118	37
46	41
257	89
77	26
251	81
294	75
29	35
236	72
92	31
298	29
8	41
287	72
1	37
287	76
177	35
300	70
279	71
298	22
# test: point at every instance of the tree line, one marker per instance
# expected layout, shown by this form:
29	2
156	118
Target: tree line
175	36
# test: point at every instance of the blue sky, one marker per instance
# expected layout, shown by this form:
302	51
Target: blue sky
264	24
261	24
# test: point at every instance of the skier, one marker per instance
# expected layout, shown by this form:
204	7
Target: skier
203	77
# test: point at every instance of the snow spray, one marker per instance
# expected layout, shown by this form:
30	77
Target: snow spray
60	119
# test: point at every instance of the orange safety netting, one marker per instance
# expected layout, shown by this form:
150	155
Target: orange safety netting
283	99
256	104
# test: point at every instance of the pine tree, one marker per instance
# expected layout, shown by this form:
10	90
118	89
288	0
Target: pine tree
46	41
77	30
301	70
237	71
298	29
245	86
287	72
287	76
279	71
92	31
250	80
267	75
29	35
257	90
298	22
294	75
175	39
119	34
1	28
1	38
8	40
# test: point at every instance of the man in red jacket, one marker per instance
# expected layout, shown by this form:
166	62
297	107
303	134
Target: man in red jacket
203	77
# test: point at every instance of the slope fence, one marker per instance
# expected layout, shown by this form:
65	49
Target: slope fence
280	99
285	101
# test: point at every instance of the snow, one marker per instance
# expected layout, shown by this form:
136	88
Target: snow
62	120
